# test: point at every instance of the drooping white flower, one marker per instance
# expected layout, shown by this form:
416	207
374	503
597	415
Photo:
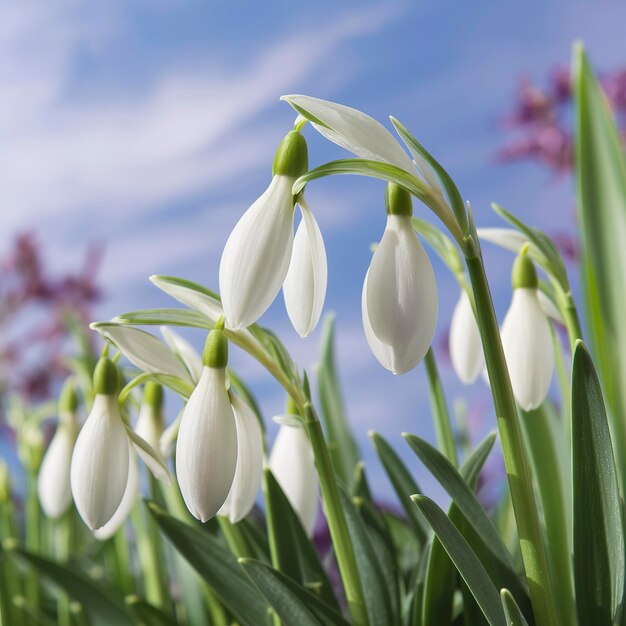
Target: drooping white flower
507	238
249	469
53	483
352	129
305	285
185	352
293	465
206	449
399	301
527	338
466	350
256	256
102	454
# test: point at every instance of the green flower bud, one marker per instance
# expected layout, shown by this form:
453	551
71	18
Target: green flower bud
524	274
292	156
68	399
398	200
215	353
153	396
106	378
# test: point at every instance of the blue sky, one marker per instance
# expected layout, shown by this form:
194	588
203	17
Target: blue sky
150	127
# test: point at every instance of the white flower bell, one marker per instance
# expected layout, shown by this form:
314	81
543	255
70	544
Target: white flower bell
256	256
293	465
206	449
466	350
249	469
103	452
53	483
304	288
399	301
527	338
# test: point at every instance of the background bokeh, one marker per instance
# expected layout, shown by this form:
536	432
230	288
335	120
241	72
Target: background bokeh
148	128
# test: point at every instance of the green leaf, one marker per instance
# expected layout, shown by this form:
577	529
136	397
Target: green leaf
514	616
292	550
463	496
165	317
217	566
454	196
377	601
598	523
373	169
145	614
402	481
465	560
343	448
103	607
601	195
440	577
293	603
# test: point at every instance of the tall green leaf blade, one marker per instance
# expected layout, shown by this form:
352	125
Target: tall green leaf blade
103	607
514	617
598	522
217	566
465	560
601	193
292	550
342	446
145	614
402	481
293	603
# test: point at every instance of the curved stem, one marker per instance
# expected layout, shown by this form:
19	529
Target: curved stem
515	455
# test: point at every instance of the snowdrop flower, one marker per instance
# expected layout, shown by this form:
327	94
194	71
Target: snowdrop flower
53	482
466	350
206	449
399	299
256	257
249	468
104	450
304	288
293	465
527	338
151	421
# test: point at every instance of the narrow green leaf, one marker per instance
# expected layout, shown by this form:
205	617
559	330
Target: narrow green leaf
343	448
466	562
217	566
402	481
291	549
377	601
454	196
103	607
293	603
165	317
145	614
463	496
514	617
601	194
598	523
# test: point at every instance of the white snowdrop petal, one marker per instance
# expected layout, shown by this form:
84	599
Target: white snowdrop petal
126	505
304	288
528	348
194	299
206	449
549	308
152	459
507	238
53	482
293	465
249	469
142	349
397	359
466	351
185	352
168	437
353	130
147	426
99	469
256	256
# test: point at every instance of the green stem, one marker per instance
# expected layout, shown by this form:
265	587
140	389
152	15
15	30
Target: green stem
33	536
62	538
443	426
514	452
234	538
337	525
